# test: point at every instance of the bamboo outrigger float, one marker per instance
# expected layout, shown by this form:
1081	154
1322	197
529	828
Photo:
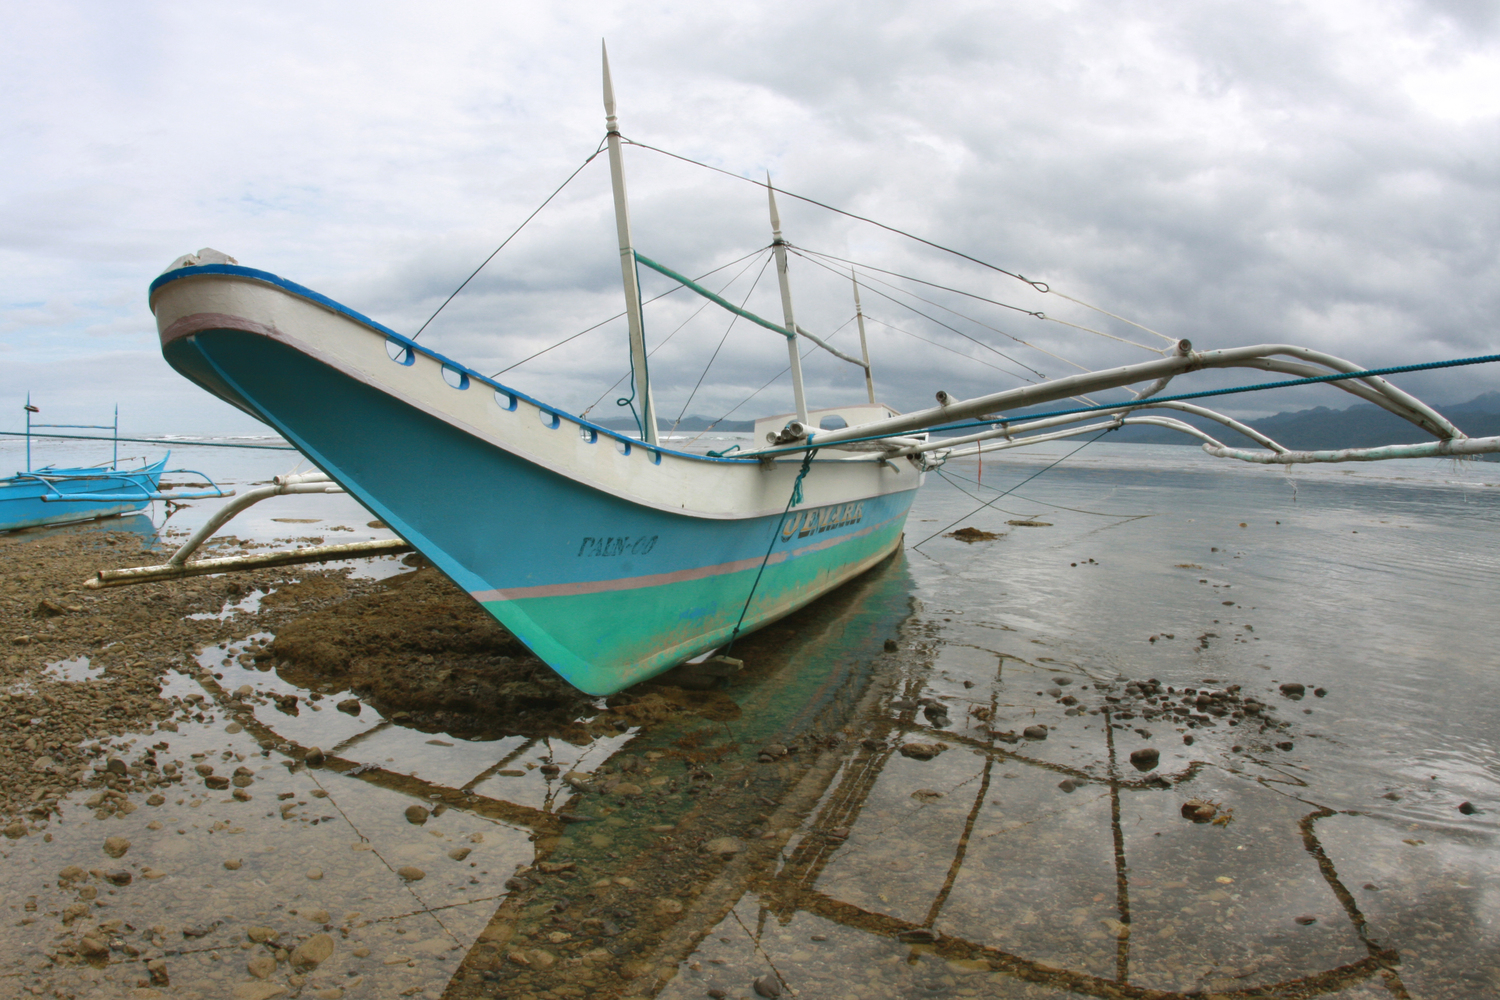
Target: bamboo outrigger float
178	567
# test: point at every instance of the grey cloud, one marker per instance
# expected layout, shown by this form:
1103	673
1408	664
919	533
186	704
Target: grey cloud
1231	173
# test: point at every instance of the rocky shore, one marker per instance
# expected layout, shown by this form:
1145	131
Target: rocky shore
125	639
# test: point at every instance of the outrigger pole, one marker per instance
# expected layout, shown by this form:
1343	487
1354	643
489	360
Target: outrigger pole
642	383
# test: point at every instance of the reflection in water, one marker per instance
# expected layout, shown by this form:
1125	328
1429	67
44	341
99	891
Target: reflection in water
854	821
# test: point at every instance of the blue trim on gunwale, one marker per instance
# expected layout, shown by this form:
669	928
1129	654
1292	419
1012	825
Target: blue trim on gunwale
292	287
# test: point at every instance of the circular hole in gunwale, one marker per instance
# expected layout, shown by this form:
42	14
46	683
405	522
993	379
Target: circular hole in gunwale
455	378
506	400
549	419
400	353
589	435
623	447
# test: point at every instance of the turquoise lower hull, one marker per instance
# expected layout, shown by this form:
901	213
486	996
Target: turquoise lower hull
608	592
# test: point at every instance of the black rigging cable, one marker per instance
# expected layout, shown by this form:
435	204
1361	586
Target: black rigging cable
512	236
618	315
1023	482
945	326
1040	286
727	330
663	342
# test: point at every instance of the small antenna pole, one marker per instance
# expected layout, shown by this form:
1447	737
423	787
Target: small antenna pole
29	411
115	464
864	348
799	396
628	271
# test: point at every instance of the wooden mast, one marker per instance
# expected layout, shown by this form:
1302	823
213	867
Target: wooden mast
627	264
798	395
864	348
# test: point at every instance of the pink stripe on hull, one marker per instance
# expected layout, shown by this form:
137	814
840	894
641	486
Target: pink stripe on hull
659	579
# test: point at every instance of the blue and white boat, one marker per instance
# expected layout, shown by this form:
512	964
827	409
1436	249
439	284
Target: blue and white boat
52	495
615	557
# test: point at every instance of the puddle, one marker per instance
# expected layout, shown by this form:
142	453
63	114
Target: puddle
249	604
74	670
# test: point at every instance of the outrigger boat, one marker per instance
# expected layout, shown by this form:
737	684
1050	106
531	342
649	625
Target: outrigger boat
615	557
52	495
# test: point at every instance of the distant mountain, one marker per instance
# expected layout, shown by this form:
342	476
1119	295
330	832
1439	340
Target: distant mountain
1362	425
693	423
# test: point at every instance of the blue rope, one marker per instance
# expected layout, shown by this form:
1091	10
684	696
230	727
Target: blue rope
791	502
1310	380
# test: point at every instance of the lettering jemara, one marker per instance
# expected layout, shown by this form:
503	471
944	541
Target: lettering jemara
810	522
618	546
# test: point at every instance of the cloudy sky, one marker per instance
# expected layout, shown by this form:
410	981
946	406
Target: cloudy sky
1322	174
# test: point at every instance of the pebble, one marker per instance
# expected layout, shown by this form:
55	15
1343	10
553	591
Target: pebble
1145	758
626	788
767	986
258	991
313	952
922	751
261	935
1468	808
315	874
1037	732
260	965
1293	691
724	847
349	705
117	766
315	757
417	815
459	853
116	846
411	873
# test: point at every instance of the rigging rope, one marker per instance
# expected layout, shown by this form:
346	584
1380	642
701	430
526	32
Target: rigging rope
512	236
1034	313
676	331
734	318
945	326
170	442
1023	482
1040	286
791	502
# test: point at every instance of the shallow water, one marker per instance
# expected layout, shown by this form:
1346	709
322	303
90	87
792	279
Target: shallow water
1345	867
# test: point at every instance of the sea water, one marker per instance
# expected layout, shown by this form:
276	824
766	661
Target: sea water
1355	852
